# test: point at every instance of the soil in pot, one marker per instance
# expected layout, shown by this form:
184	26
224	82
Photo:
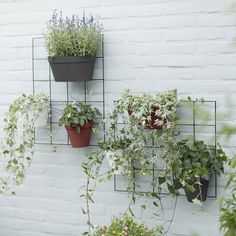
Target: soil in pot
72	69
200	191
82	138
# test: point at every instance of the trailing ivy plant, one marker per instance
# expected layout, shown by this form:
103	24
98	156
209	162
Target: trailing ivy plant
158	110
18	145
139	141
73	36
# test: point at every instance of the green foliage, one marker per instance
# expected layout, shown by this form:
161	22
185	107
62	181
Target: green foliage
141	148
115	144
18	146
73	37
127	226
77	114
201	160
228	204
142	108
133	140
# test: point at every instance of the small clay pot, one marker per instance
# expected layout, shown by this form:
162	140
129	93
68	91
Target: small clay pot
82	138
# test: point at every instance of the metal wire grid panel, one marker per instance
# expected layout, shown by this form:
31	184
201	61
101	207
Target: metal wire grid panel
199	128
62	93
45	83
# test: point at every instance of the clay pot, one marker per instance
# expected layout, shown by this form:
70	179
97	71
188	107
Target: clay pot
82	138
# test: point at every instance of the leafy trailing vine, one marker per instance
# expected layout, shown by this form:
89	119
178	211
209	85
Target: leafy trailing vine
142	137
18	145
138	142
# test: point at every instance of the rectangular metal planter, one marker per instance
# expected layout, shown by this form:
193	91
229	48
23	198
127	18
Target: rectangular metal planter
72	69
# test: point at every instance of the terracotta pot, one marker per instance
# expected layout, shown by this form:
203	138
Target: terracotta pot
81	139
200	193
72	68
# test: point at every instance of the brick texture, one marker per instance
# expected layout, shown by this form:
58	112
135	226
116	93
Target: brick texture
150	46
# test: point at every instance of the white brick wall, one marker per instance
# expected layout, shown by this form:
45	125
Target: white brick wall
150	45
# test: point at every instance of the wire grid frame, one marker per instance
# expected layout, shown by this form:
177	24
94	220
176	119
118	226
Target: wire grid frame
194	124
48	85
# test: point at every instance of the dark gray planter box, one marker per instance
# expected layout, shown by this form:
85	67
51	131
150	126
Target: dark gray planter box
73	69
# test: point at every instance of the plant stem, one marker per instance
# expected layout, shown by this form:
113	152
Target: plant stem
172	218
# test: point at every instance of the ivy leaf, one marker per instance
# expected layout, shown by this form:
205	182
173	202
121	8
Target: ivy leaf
84	212
155	204
143	207
197	202
14	161
162	180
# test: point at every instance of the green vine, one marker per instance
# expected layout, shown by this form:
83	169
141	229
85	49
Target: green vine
18	145
130	145
142	137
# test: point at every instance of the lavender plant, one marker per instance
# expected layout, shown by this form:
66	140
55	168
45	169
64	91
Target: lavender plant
73	36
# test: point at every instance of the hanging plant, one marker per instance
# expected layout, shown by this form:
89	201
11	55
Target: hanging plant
156	111
18	146
128	145
199	162
72	44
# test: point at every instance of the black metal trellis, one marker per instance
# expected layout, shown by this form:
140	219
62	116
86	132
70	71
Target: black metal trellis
194	124
49	81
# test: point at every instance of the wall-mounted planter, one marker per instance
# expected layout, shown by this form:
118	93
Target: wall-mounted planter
82	138
111	157
42	119
72	69
200	193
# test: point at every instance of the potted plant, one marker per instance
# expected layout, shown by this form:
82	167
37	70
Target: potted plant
18	145
72	44
199	162
126	225
155	112
132	148
78	120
